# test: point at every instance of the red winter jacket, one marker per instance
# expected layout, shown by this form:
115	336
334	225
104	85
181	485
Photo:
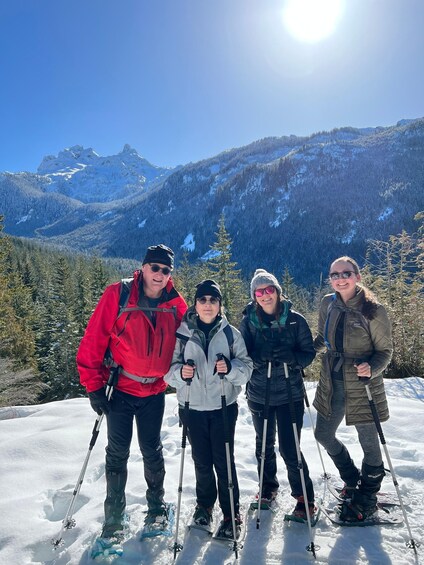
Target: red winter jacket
136	345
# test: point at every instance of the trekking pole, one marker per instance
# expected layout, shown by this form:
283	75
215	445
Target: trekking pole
325	476
311	547
411	544
227	456
68	522
177	547
264	433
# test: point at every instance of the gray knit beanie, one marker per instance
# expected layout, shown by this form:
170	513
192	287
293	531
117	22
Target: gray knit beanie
260	278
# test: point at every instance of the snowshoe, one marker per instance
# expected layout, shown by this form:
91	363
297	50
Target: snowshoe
384	499
202	519
225	528
267	501
107	548
159	522
349	512
299	512
375	519
109	543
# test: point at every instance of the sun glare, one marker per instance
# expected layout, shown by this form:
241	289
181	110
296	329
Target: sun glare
311	20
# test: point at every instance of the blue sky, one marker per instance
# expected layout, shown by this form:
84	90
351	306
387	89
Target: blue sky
182	80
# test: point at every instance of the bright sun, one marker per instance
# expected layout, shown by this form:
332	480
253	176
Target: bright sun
311	20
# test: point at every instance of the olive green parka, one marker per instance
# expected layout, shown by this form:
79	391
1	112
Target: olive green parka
367	337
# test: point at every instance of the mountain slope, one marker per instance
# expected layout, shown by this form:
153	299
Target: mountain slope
290	201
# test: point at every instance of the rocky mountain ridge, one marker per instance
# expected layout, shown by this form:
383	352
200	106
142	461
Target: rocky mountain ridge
293	202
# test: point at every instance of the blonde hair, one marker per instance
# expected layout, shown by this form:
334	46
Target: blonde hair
348	259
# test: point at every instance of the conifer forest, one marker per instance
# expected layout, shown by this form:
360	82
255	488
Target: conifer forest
48	294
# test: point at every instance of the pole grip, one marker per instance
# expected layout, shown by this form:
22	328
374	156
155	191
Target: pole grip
192	364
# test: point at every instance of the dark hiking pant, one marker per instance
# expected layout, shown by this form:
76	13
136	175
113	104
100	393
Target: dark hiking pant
148	413
206	436
279	417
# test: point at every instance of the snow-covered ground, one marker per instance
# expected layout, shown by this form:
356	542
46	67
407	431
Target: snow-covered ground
42	449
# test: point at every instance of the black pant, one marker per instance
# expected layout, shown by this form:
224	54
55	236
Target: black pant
206	437
280	415
148	413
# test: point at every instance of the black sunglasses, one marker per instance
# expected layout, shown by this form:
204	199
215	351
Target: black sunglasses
203	300
165	270
343	275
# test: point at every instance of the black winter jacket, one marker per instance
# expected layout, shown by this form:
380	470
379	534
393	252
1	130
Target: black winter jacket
293	331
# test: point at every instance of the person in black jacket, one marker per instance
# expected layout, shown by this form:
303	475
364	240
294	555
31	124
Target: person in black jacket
275	333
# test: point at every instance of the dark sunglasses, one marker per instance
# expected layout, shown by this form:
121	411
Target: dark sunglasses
343	275
212	300
165	270
266	290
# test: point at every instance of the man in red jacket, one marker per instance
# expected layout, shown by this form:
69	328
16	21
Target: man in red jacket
140	340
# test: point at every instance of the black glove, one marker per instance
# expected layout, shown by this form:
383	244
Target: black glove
228	363
283	353
277	353
99	402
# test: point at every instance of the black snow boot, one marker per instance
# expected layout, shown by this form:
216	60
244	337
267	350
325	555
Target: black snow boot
155	491
348	471
363	503
114	504
365	497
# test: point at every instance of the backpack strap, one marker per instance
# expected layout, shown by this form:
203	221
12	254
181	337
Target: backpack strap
124	294
228	334
230	338
327	321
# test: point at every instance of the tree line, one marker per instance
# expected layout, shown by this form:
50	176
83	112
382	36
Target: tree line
47	297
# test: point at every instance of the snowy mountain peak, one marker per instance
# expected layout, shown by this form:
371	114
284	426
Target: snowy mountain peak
129	150
83	174
69	157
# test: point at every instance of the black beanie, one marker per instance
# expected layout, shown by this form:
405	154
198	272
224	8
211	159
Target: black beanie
159	254
208	287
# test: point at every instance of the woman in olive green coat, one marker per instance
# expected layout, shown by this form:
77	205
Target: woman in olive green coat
355	332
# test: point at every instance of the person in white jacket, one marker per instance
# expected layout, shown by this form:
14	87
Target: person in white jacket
202	338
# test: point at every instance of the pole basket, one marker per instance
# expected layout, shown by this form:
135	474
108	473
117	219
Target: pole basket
312	548
56	543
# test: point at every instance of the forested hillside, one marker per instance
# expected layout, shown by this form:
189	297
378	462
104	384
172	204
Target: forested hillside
47	297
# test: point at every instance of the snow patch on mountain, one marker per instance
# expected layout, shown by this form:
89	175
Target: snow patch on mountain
348	237
189	243
282	215
385	214
26	217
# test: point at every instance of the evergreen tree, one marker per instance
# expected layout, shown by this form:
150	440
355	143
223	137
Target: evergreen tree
234	292
16	336
395	272
100	278
187	276
298	296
